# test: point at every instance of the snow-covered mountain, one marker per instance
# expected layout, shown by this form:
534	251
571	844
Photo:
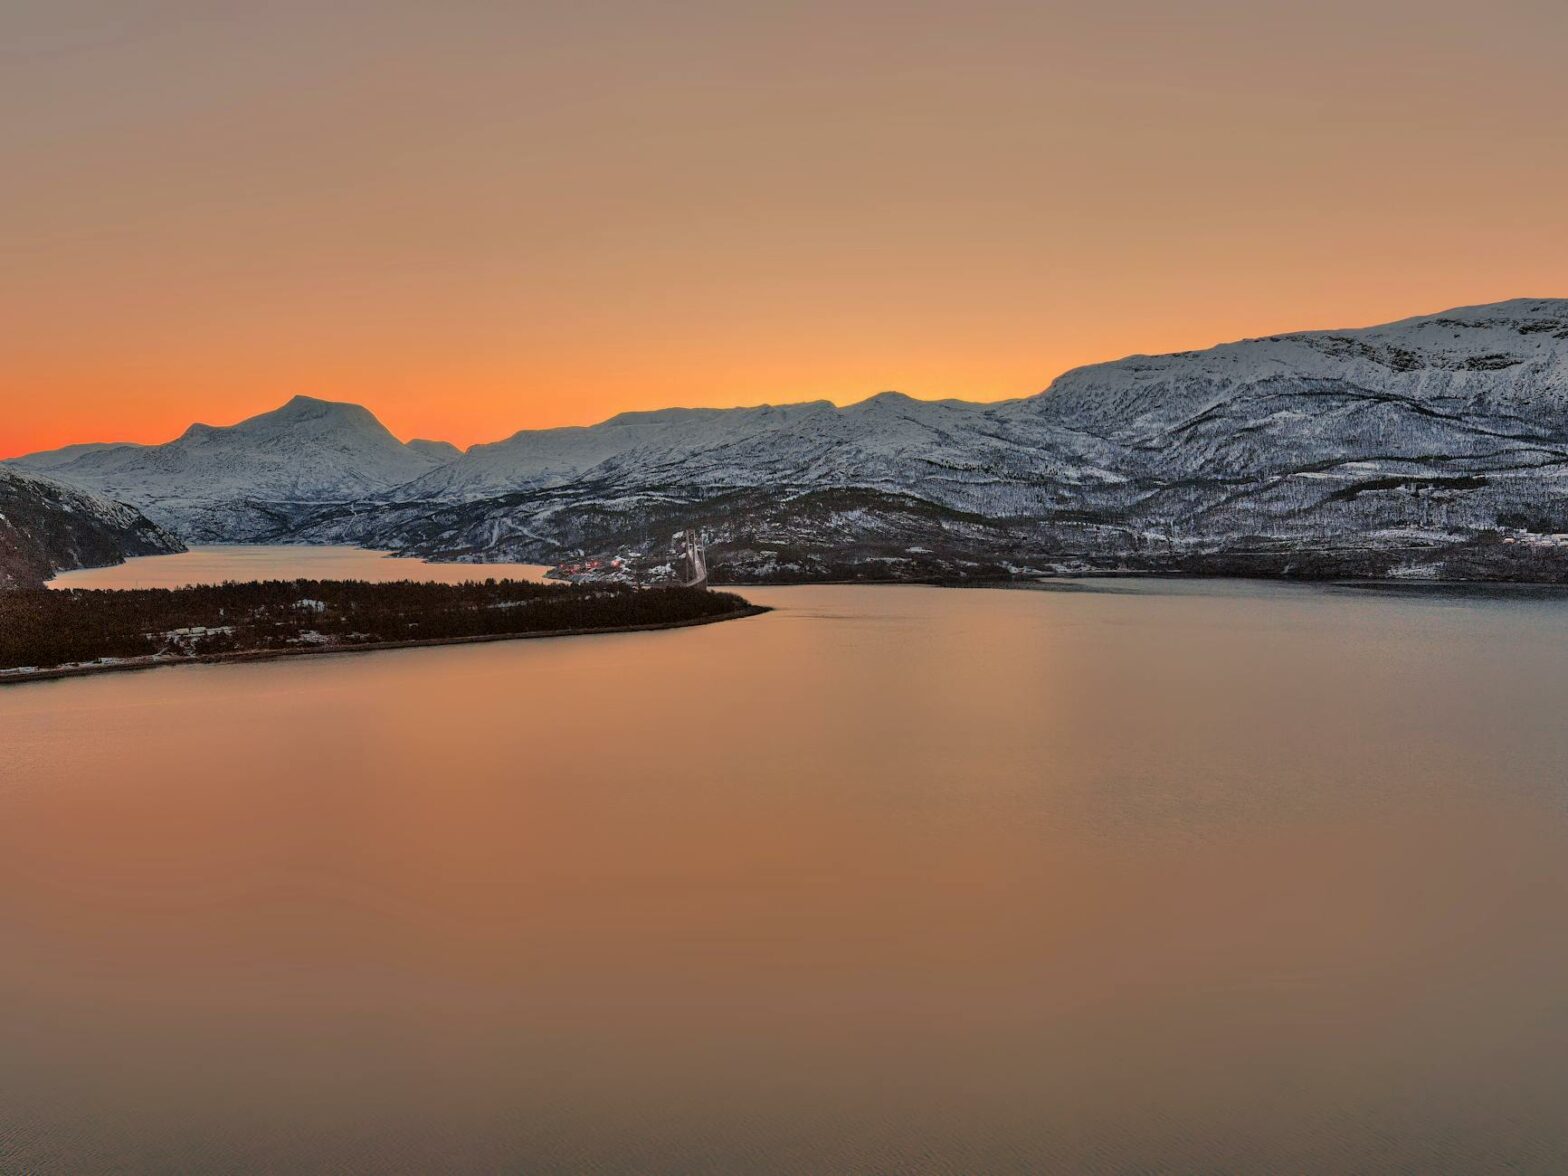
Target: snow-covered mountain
1430	430
1369	450
243	481
1505	360
46	527
889	441
1356	451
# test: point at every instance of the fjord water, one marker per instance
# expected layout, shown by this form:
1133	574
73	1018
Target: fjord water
1155	877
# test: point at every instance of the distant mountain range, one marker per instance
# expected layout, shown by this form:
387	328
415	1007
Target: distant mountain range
1432	446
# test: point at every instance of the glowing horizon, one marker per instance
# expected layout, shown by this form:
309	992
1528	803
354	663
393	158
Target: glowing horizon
841	402
508	217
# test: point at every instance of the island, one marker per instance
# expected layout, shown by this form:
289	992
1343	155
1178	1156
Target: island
55	633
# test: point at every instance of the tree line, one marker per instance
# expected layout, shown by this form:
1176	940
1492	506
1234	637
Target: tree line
51	627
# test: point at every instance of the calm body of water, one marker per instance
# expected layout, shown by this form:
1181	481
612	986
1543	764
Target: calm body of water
1168	878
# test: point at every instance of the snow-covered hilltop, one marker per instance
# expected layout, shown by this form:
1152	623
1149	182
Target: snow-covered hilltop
46	527
241	481
1502	359
1435	445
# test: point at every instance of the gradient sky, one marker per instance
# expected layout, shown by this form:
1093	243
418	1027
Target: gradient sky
477	217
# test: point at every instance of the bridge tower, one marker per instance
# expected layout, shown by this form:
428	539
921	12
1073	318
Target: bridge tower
690	541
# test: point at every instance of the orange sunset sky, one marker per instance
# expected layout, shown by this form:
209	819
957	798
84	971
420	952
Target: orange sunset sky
477	217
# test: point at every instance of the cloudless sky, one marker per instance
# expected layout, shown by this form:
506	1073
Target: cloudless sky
475	217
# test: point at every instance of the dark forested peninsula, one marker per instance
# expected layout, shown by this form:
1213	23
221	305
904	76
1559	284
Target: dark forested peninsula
48	632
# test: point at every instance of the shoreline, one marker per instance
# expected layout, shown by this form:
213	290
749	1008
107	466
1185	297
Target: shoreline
1070	580
54	673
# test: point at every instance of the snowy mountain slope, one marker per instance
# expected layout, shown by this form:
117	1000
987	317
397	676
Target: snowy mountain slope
554	457
1430	432
216	483
46	527
1435	431
1500	362
1470	382
968	453
1336	431
53	459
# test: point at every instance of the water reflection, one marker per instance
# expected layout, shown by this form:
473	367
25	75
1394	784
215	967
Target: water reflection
891	879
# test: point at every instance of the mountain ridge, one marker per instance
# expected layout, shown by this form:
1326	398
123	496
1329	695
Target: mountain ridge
1417	435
